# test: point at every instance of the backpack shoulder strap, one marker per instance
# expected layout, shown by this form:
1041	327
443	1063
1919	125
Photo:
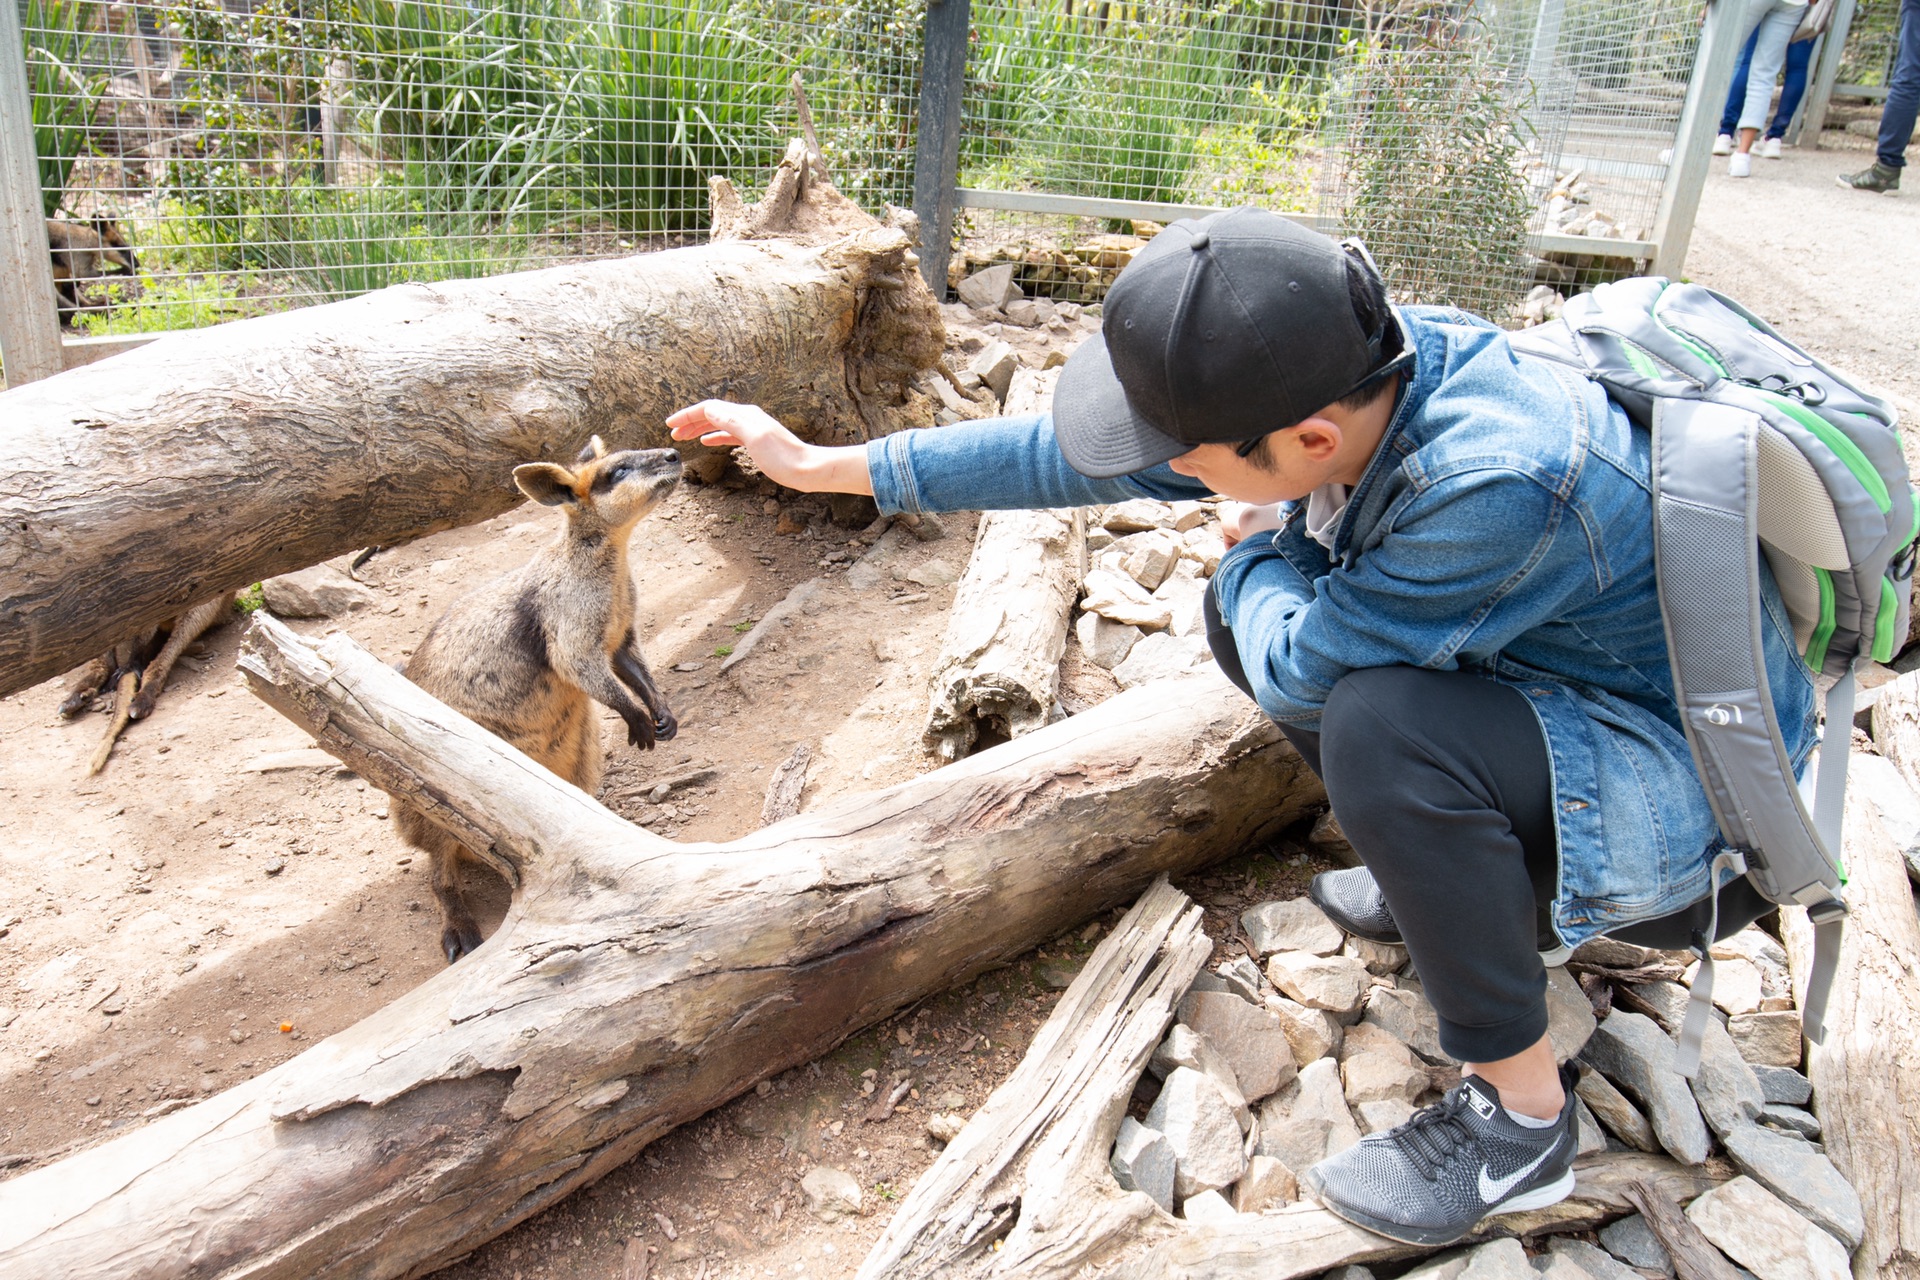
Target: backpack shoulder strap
1706	550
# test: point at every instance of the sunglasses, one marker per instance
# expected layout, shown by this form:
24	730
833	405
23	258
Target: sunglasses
1376	344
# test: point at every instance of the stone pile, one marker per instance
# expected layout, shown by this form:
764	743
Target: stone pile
1147	568
1569	205
1062	267
1273	1066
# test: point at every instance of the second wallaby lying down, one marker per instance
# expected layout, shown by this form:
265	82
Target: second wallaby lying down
527	654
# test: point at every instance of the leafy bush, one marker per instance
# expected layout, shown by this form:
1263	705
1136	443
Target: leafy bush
64	82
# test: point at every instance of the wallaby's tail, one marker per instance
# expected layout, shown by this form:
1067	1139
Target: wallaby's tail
123	693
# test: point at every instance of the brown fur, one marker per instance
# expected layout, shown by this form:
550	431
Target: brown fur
137	670
83	254
528	654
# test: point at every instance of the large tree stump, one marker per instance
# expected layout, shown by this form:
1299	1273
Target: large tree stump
1866	1087
133	488
635	983
999	662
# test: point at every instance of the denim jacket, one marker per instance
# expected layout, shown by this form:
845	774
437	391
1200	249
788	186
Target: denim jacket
1504	526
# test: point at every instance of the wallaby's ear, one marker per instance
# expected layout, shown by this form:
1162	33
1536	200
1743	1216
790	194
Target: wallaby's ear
546	483
595	449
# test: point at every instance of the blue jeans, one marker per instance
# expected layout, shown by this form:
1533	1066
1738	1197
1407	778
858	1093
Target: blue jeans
1903	93
1769	42
1799	56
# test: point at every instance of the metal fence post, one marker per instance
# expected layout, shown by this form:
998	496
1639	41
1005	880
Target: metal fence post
936	158
1727	24
29	324
1826	70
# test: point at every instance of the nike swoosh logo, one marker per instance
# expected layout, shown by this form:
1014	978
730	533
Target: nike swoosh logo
1492	1189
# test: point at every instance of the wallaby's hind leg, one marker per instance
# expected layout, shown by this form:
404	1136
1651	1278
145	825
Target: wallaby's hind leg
193	624
85	684
459	933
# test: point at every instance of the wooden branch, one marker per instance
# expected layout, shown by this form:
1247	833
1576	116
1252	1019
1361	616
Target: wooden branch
1866	1090
999	663
1302	1239
635	983
207	460
1030	1169
1694	1256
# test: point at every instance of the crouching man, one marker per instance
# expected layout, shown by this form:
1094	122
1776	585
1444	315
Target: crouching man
1441	587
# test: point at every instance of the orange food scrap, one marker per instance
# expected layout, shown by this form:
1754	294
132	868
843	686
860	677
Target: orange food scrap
286	1027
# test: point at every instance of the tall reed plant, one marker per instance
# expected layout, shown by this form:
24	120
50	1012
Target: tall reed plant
65	76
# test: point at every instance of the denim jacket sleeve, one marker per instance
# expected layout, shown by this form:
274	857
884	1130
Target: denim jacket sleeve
1465	565
1000	464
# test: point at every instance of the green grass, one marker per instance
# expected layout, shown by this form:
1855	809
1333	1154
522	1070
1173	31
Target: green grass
161	304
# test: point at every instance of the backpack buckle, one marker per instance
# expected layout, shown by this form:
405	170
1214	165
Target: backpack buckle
1831	909
1807	393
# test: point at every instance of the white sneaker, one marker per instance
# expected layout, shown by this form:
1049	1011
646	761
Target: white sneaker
1770	149
1739	165
1723	145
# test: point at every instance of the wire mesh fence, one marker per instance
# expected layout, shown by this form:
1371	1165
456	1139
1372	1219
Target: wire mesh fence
1871	44
257	154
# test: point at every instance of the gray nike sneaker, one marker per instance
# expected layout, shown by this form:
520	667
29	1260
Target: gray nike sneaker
1431	1180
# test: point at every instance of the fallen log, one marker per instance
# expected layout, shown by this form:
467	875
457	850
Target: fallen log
999	663
1866	1090
1024	1189
135	487
1303	1239
635	983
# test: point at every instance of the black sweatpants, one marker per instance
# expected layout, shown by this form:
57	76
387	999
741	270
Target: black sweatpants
1443	784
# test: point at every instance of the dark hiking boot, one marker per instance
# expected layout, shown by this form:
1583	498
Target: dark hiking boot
1876	177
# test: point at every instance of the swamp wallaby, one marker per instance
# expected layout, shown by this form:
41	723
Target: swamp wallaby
528	654
83	254
136	670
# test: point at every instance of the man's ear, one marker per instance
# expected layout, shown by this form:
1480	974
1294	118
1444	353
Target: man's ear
1318	438
546	483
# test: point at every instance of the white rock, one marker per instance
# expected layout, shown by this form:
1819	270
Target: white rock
1767	1039
1267	1182
1371	1037
1308	1120
1204	546
994	365
1024	312
1593	1263
1338	984
1373	1076
1570	1019
1208	1206
1136	514
1736	984
1767	1236
831	1193
989	289
1500	1260
1201	1128
1251	1039
1105	642
1149	557
1313	1033
1295	924
1143	1161
1185	1047
1184	593
318	592
1189	515
1120	599
1159	657
1403	1012
1329	841
1381	958
945	1126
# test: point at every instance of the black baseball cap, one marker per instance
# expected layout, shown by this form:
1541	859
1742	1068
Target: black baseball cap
1222	329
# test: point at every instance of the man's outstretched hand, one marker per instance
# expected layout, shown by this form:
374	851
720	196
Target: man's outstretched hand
781	455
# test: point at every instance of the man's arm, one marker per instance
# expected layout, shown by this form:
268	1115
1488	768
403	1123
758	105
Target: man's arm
1467	566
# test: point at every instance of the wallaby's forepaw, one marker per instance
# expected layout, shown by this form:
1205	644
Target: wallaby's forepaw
76	702
665	727
458	939
641	731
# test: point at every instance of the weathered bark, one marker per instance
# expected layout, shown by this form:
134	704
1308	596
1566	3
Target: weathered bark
207	460
634	984
999	663
1866	1089
1896	735
1303	1239
1029	1170
1694	1257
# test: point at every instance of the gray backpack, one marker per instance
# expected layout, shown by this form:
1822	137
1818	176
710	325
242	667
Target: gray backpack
1758	448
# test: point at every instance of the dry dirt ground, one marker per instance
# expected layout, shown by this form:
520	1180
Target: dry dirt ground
161	923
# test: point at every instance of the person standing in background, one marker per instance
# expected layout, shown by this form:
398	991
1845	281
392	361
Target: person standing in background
1897	117
1799	57
1770	37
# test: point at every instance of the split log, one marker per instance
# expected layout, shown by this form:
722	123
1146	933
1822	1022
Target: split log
999	663
1029	1170
634	984
1866	1089
1896	735
208	460
1303	1239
